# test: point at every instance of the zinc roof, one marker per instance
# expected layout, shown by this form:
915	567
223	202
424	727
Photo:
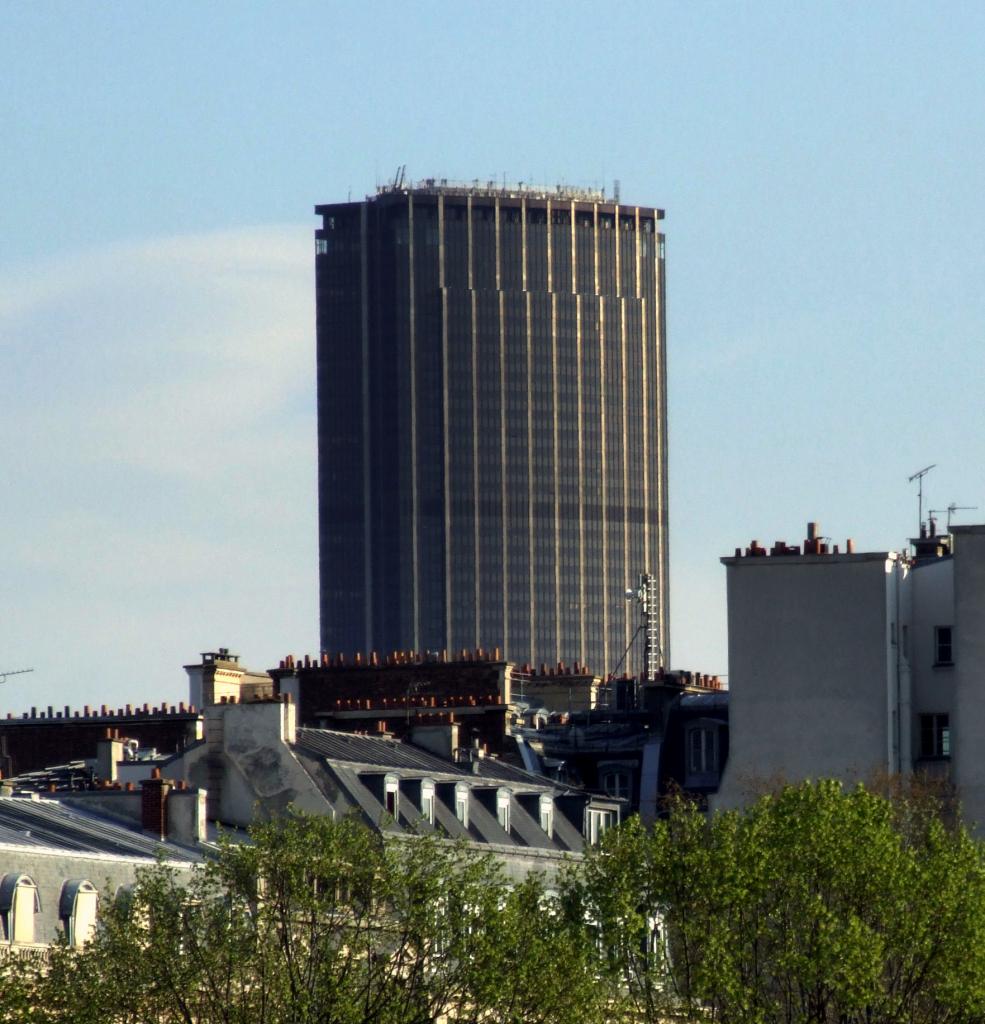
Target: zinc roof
49	824
387	753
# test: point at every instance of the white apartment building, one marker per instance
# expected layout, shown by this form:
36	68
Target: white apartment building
851	665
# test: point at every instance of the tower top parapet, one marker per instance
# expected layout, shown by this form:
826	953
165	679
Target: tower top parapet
491	189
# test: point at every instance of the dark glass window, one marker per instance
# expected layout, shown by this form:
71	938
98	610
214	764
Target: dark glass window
943	653
935	736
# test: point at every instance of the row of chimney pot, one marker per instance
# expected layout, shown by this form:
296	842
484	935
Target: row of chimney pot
358	704
694	679
813	545
781	548
574	669
88	713
384	725
393	658
131	787
276	698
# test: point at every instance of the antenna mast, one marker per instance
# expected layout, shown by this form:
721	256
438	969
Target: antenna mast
950	510
14	672
919	475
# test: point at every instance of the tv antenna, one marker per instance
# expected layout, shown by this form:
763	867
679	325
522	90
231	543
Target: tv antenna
950	510
919	475
14	672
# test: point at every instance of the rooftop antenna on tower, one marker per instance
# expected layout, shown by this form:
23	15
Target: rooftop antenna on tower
919	475
647	597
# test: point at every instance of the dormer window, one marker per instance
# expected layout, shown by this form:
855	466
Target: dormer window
19	902
462	804
77	910
598	821
702	750
391	796
547	815
503	809
427	801
616	783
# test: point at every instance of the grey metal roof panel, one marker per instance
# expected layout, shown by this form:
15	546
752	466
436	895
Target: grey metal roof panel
503	771
51	824
705	700
72	775
325	778
444	818
484	826
356	796
340	764
567	834
372	750
387	753
525	829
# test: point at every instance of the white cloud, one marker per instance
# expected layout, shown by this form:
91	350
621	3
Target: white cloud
159	462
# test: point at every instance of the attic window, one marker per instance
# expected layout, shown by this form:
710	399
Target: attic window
391	796
547	815
702	750
596	822
19	902
427	801
615	782
503	809
77	910
462	805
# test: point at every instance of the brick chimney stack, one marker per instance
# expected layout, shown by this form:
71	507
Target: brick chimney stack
154	794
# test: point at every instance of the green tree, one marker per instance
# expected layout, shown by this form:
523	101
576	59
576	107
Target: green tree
813	905
19	982
316	921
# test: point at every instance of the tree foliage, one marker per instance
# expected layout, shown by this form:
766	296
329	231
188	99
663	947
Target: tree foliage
320	922
813	905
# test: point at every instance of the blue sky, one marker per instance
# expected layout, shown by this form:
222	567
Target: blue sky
821	169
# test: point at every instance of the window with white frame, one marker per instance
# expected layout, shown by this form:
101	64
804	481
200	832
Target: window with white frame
19	903
597	821
391	795
427	801
77	910
702	750
503	808
462	804
547	815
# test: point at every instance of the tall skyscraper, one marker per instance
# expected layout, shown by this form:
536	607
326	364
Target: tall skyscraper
492	444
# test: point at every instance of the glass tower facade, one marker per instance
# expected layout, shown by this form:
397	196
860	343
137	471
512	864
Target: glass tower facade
492	443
